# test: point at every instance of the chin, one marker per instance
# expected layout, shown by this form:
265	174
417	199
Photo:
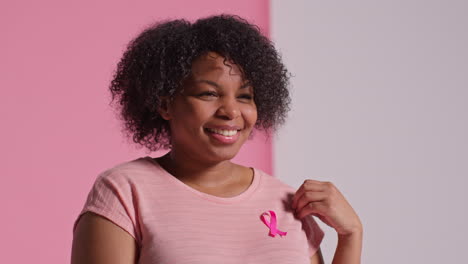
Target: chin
219	155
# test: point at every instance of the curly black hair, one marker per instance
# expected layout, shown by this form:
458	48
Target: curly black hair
158	60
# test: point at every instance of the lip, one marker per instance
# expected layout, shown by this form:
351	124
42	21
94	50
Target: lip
225	140
225	127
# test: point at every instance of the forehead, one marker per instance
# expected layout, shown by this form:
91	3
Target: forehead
213	63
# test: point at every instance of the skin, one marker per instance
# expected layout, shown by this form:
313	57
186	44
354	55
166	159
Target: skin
325	201
216	94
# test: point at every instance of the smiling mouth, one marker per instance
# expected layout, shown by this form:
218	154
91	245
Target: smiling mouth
223	132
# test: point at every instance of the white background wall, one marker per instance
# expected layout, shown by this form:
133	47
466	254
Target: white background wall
380	104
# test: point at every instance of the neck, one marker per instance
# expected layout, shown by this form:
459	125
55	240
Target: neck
204	174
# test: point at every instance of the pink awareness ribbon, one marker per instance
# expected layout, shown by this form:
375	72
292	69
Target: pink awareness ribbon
272	224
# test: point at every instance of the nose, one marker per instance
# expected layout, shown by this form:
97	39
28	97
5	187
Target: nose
228	108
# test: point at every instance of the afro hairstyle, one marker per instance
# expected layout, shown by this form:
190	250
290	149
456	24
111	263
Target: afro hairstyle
158	60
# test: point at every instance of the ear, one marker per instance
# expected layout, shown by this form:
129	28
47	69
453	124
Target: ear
164	107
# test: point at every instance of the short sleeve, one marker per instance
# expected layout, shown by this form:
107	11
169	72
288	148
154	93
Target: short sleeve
314	234
112	196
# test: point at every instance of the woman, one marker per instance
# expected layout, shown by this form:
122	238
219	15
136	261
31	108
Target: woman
200	89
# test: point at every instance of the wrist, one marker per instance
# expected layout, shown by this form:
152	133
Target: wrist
354	234
349	247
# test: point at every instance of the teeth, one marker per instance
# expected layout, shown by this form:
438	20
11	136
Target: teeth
226	133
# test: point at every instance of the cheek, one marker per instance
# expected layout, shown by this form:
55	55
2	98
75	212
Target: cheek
200	113
250	115
192	114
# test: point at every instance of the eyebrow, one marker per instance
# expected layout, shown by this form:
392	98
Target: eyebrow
218	86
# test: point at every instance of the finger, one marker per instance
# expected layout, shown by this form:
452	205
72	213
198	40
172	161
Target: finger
313	208
310	197
308	185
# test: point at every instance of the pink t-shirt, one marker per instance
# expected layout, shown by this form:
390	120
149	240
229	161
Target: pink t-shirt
174	223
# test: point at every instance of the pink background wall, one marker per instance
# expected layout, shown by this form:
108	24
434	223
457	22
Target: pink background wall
58	132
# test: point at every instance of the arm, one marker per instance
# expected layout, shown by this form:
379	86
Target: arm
325	201
348	249
317	258
98	240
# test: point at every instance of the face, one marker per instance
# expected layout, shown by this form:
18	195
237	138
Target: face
214	114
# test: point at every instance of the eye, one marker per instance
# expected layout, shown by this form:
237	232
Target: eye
208	94
246	97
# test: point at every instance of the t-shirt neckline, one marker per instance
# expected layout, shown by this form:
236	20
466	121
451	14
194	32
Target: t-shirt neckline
225	200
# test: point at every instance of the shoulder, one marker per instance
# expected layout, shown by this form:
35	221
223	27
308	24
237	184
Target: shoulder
273	182
132	170
117	193
126	177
